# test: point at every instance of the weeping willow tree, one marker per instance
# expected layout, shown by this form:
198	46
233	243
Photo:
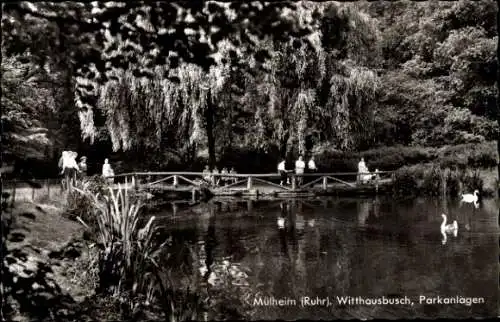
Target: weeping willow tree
158	114
319	90
350	107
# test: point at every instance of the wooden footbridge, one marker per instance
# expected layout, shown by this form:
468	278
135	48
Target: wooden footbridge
236	184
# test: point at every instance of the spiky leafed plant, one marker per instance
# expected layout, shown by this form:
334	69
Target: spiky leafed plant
129	248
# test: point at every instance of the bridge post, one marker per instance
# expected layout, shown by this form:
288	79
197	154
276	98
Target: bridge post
176	181
249	183
193	195
324	182
294	182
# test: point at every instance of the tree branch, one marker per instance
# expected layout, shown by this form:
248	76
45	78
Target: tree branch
57	18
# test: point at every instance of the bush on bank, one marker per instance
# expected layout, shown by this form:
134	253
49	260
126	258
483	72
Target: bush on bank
433	179
473	155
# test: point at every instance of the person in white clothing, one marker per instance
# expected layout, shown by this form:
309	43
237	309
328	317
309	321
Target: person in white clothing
107	171
68	161
363	172
69	166
300	165
282	171
311	165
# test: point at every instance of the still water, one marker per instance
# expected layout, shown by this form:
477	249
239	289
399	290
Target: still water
334	258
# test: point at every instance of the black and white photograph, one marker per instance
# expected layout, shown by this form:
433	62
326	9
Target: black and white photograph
249	160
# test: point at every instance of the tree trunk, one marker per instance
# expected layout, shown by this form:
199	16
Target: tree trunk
284	145
209	117
498	93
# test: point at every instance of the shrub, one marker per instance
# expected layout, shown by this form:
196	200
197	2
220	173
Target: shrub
471	180
405	182
453	182
468	155
431	179
79	206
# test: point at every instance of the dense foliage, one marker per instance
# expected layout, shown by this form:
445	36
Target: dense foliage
219	80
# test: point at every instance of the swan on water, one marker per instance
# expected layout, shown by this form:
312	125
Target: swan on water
449	228
471	198
281	222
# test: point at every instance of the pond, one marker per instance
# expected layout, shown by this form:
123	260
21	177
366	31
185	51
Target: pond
330	258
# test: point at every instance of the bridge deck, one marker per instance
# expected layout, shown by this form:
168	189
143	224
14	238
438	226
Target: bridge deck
256	184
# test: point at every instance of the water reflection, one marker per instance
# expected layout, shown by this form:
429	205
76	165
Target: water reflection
340	247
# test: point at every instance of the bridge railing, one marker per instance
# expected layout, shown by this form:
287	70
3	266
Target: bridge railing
297	181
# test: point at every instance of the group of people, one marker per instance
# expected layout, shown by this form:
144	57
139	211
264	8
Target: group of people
72	170
300	168
213	178
364	175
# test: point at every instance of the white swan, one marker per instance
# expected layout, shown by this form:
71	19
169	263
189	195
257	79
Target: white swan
281	222
471	198
450	228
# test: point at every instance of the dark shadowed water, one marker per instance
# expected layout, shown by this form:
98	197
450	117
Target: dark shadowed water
333	248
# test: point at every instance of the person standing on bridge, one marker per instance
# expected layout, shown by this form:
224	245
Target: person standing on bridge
311	165
300	165
282	171
215	179
107	171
